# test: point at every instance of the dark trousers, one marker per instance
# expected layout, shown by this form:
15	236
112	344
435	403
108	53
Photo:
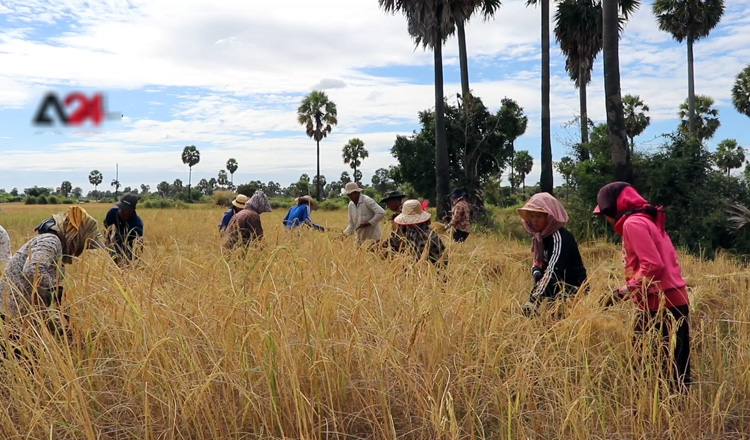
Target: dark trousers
460	236
663	322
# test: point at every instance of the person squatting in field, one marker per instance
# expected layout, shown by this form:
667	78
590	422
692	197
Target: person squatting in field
414	236
299	214
238	204
245	226
653	275
124	228
33	278
558	269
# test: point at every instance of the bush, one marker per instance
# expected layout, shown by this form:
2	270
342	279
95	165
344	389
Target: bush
52	200
42	200
68	202
223	198
334	204
158	203
281	203
31	200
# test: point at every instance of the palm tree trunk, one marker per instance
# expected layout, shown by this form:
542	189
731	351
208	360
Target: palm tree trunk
546	180
463	59
691	88
190	179
317	180
618	143
632	146
584	108
441	141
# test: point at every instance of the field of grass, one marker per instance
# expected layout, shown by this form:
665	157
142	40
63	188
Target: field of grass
309	337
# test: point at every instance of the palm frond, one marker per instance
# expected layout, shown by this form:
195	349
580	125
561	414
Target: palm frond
739	215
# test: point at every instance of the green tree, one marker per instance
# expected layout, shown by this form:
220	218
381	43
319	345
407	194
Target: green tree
523	163
613	99
163	188
232	166
203	186
345	178
116	184
741	92
145	189
353	154
729	155
566	167
636	119
95	178
319	180
65	188
77	192
178	185
546	179
318	114
190	157
705	119
430	22
382	181
689	20
222	179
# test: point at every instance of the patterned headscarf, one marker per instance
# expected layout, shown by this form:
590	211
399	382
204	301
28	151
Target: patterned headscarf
75	227
258	203
556	219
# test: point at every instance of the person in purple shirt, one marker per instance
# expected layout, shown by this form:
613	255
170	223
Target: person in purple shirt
238	204
300	214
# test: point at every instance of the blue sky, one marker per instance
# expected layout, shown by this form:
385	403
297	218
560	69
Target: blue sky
227	76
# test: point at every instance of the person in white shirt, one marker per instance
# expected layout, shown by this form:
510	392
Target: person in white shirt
4	248
364	214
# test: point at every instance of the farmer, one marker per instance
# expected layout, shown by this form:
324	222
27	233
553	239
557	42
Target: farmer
4	248
238	204
34	275
414	235
461	216
124	229
300	214
393	200
245	226
364	214
653	275
558	269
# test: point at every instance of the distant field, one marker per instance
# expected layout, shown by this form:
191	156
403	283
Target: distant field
308	337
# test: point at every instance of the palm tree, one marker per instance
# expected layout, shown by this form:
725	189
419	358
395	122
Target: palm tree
232	166
95	178
689	20
618	142
729	155
741	92
430	22
488	9
546	179
116	184
578	29
705	120
636	119
190	156
523	163
354	152
318	114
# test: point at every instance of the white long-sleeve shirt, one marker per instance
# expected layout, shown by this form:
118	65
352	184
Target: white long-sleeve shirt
4	247
366	210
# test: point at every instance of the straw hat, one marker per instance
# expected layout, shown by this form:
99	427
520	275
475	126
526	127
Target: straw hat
352	187
310	201
523	212
240	201
412	214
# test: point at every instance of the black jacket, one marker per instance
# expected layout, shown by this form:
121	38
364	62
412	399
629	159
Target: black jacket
564	272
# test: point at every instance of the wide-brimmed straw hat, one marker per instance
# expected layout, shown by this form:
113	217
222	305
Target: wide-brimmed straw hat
310	201
393	195
523	212
352	187
240	201
412	213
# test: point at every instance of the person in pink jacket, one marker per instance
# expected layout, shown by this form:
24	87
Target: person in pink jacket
653	275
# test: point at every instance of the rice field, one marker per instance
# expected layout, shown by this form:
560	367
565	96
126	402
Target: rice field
306	336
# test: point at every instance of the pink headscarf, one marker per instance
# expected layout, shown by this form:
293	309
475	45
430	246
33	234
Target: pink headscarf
556	219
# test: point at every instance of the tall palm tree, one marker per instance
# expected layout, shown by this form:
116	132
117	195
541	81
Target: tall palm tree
430	22
318	114
688	20
190	157
546	180
636	119
578	29
232	166
705	118
741	92
618	142
729	155
95	178
354	152
487	9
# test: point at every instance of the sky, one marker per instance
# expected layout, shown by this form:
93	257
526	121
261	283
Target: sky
227	76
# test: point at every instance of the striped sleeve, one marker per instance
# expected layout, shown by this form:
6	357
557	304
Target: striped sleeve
545	288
